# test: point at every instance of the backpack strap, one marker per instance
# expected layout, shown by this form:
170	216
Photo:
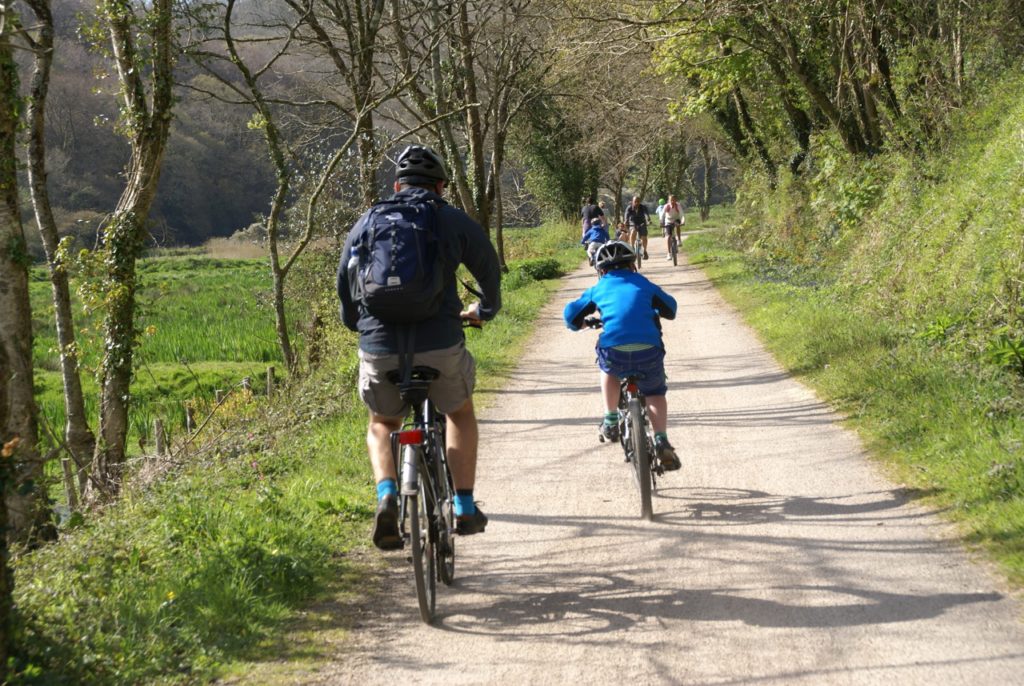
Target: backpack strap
405	339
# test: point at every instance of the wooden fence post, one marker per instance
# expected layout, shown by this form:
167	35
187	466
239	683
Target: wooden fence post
161	438
270	381
190	418
218	396
247	384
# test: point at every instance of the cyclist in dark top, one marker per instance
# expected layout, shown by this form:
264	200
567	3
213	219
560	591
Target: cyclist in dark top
636	220
590	212
439	343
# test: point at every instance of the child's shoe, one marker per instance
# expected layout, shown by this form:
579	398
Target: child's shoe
609	432
667	456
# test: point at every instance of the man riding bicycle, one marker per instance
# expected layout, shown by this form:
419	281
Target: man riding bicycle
672	220
437	342
636	220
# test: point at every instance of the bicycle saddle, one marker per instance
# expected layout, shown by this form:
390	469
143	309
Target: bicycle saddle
419	379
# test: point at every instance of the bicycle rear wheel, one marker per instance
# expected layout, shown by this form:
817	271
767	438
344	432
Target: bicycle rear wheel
641	458
418	508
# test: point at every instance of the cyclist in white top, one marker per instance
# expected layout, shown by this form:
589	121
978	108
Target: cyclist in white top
672	219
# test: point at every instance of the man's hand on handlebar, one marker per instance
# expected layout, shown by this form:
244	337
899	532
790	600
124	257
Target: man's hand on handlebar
471	316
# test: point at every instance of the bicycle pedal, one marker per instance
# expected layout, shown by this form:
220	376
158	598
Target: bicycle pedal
600	437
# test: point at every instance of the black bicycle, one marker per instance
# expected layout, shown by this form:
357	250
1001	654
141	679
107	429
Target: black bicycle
638	248
636	436
673	242
426	515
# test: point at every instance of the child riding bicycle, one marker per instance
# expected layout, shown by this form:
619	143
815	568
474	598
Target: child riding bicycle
630	343
595	236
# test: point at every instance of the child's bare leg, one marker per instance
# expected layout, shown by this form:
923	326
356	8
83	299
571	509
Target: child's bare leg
610	391
657	410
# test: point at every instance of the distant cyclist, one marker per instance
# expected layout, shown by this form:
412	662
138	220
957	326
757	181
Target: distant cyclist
589	212
672	220
636	220
594	238
630	307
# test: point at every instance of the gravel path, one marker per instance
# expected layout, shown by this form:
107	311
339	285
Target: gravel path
778	554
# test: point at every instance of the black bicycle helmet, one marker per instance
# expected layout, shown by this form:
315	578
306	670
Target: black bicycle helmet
613	254
420	164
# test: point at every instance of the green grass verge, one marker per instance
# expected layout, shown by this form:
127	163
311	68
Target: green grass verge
201	573
946	424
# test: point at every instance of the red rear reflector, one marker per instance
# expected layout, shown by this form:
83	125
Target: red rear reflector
632	388
414	437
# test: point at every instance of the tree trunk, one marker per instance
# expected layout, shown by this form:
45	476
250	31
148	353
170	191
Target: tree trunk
78	436
474	123
704	201
276	150
123	236
23	501
755	139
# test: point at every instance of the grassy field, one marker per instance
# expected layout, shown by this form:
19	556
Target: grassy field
206	325
249	535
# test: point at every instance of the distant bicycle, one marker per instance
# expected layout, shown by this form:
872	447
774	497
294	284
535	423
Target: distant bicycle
673	241
426	515
636	435
638	250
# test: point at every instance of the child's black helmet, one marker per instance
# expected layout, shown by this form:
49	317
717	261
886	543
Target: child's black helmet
613	254
420	164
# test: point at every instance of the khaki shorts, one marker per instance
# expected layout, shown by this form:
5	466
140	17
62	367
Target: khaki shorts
449	391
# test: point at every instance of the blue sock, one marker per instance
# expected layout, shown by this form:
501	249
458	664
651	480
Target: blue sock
464	504
661	437
386	487
611	417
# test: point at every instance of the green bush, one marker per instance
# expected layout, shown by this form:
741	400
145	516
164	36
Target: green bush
540	269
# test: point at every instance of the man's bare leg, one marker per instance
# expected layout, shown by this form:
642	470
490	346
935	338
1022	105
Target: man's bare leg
463	439
378	444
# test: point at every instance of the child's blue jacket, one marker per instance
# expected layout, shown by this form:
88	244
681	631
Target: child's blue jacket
629	305
595	233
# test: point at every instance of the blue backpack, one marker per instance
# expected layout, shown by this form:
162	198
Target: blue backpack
395	270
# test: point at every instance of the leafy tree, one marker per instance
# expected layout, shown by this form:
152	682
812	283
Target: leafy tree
141	44
80	442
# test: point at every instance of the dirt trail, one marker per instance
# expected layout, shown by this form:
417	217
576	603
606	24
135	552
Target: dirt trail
778	554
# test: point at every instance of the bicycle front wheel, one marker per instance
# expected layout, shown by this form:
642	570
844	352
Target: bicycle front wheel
675	252
641	458
444	518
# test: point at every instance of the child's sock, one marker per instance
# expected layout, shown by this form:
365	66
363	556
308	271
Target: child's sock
611	418
464	504
386	487
661	437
